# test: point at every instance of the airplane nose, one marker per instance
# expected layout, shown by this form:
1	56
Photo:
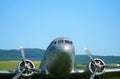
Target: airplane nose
66	48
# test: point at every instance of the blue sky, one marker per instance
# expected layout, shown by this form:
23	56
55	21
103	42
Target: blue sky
94	24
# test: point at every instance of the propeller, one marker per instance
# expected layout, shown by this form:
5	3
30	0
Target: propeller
89	54
93	75
95	64
26	65
24	59
18	74
23	54
98	64
106	65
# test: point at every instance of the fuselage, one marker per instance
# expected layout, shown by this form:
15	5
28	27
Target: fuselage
59	57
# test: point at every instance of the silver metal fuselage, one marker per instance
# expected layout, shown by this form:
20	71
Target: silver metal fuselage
59	57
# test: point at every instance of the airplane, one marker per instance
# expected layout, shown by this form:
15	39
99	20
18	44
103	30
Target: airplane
58	60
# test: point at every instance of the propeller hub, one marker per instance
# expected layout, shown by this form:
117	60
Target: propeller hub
27	66
97	66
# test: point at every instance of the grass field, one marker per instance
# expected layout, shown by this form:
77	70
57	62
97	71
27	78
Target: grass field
12	65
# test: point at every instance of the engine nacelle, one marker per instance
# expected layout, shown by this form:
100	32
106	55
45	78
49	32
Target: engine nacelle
29	65
98	66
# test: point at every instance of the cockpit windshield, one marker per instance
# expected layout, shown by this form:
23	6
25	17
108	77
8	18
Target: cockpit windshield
60	41
68	42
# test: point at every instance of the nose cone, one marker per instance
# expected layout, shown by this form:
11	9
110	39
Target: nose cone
66	48
63	60
61	65
69	50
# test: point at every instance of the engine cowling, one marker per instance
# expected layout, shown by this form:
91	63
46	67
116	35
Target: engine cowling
97	66
29	65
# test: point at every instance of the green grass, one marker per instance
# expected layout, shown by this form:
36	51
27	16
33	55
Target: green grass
80	66
12	65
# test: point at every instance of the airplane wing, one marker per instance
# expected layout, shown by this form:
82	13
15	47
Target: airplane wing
107	70
112	70
79	71
109	73
7	74
7	71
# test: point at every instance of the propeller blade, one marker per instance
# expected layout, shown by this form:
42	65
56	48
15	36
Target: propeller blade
93	75
18	74
89	54
23	54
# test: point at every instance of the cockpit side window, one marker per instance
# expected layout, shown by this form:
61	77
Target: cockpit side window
60	41
54	42
66	41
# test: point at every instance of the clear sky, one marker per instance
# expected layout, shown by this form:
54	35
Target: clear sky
94	24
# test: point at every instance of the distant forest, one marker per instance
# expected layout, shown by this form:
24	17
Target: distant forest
37	54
